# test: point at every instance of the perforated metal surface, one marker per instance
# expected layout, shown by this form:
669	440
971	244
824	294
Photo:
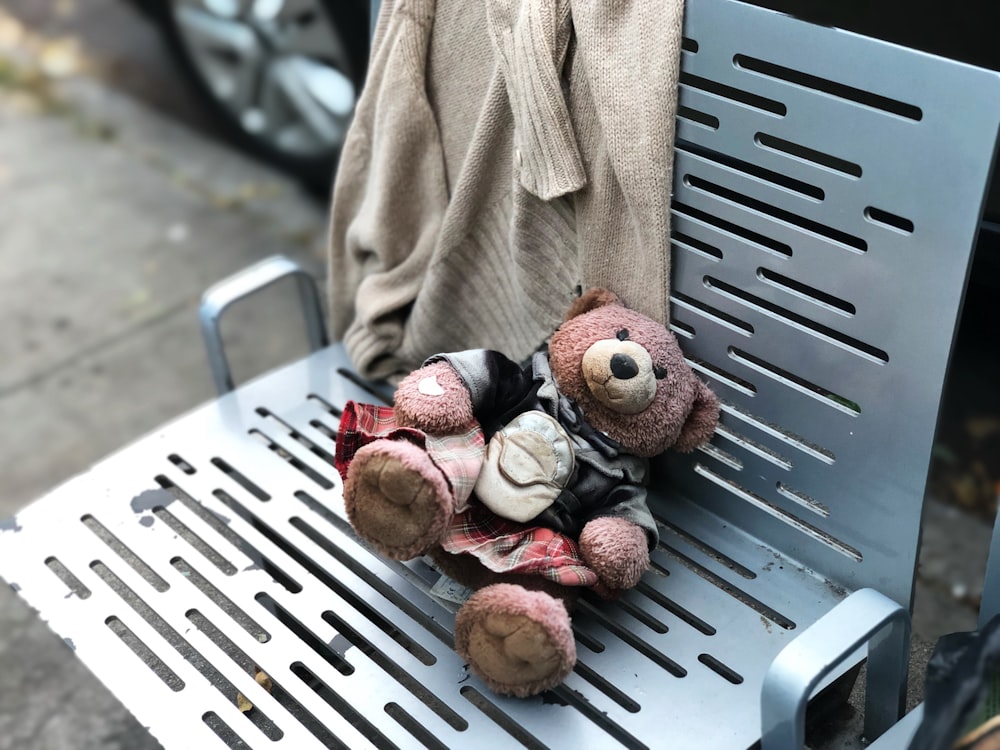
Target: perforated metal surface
828	191
824	328
218	545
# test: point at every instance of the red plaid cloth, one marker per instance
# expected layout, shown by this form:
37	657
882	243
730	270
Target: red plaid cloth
508	547
459	456
502	546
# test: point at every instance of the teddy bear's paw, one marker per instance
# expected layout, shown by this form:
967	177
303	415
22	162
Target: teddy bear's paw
518	641
397	499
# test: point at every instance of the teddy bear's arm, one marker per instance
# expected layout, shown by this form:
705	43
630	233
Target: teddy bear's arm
497	385
451	390
617	540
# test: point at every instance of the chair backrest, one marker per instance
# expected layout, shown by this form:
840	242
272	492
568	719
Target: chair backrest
828	192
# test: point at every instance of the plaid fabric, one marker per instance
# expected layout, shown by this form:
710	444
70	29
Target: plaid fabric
502	546
508	547
459	456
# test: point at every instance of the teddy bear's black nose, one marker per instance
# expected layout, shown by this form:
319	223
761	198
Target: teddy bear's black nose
623	367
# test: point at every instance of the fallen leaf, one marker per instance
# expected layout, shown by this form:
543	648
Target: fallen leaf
242	703
261	678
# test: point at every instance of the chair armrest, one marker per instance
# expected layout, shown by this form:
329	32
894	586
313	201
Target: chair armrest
866	616
242	284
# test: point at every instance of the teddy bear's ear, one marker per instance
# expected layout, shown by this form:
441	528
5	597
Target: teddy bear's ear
591	300
701	422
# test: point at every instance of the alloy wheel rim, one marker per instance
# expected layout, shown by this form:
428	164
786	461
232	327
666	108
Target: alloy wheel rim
279	67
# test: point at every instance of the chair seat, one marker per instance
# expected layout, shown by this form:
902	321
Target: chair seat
218	545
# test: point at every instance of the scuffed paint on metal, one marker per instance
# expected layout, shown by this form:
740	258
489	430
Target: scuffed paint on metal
10	524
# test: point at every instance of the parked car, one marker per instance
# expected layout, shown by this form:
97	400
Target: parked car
282	76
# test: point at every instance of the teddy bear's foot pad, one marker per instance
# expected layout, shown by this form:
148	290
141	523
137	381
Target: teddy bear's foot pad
397	499
518	641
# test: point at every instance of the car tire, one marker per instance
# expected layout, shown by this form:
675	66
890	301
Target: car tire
274	84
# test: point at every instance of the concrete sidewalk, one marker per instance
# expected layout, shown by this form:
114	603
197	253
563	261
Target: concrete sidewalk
113	220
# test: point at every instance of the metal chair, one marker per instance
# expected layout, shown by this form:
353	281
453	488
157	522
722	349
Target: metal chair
827	194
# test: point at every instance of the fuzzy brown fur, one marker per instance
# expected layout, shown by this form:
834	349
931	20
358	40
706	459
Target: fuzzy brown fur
683	414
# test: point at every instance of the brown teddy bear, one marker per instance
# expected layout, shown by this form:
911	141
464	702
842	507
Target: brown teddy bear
527	483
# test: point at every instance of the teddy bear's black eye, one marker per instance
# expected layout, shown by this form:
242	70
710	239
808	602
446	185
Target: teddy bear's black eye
622	334
659	372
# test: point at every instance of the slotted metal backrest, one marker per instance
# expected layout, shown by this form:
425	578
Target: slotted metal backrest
827	195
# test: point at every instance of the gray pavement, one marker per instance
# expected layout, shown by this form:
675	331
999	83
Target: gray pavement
113	220
114	217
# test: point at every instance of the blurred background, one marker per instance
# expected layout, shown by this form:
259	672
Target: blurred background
149	148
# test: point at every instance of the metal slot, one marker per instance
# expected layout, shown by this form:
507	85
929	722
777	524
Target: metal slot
802	499
322	541
794	381
836	236
219	526
295	434
223	731
730	229
599	718
342	707
277	691
722	376
195	658
150	659
654	624
707	549
589	642
747	98
265	563
326	405
721	456
762	451
115	544
501	719
181	464
222	601
323	429
241	479
790	438
401	676
779	513
291	460
779	179
637	643
606	687
806	154
325	651
200	545
365	385
698	117
411	725
712	313
689	45
736	593
681	613
692	244
684	330
799	322
63	573
826	86
726	672
889	220
806	292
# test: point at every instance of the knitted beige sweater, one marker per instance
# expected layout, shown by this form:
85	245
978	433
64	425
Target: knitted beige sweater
504	154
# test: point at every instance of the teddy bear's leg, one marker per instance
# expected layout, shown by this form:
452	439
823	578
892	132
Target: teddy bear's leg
518	641
397	499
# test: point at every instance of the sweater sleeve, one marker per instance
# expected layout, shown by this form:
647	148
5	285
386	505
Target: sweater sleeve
389	198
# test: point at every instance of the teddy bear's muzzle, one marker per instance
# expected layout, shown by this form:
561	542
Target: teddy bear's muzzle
620	375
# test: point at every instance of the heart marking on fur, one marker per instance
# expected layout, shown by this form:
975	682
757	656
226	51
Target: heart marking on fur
429	386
